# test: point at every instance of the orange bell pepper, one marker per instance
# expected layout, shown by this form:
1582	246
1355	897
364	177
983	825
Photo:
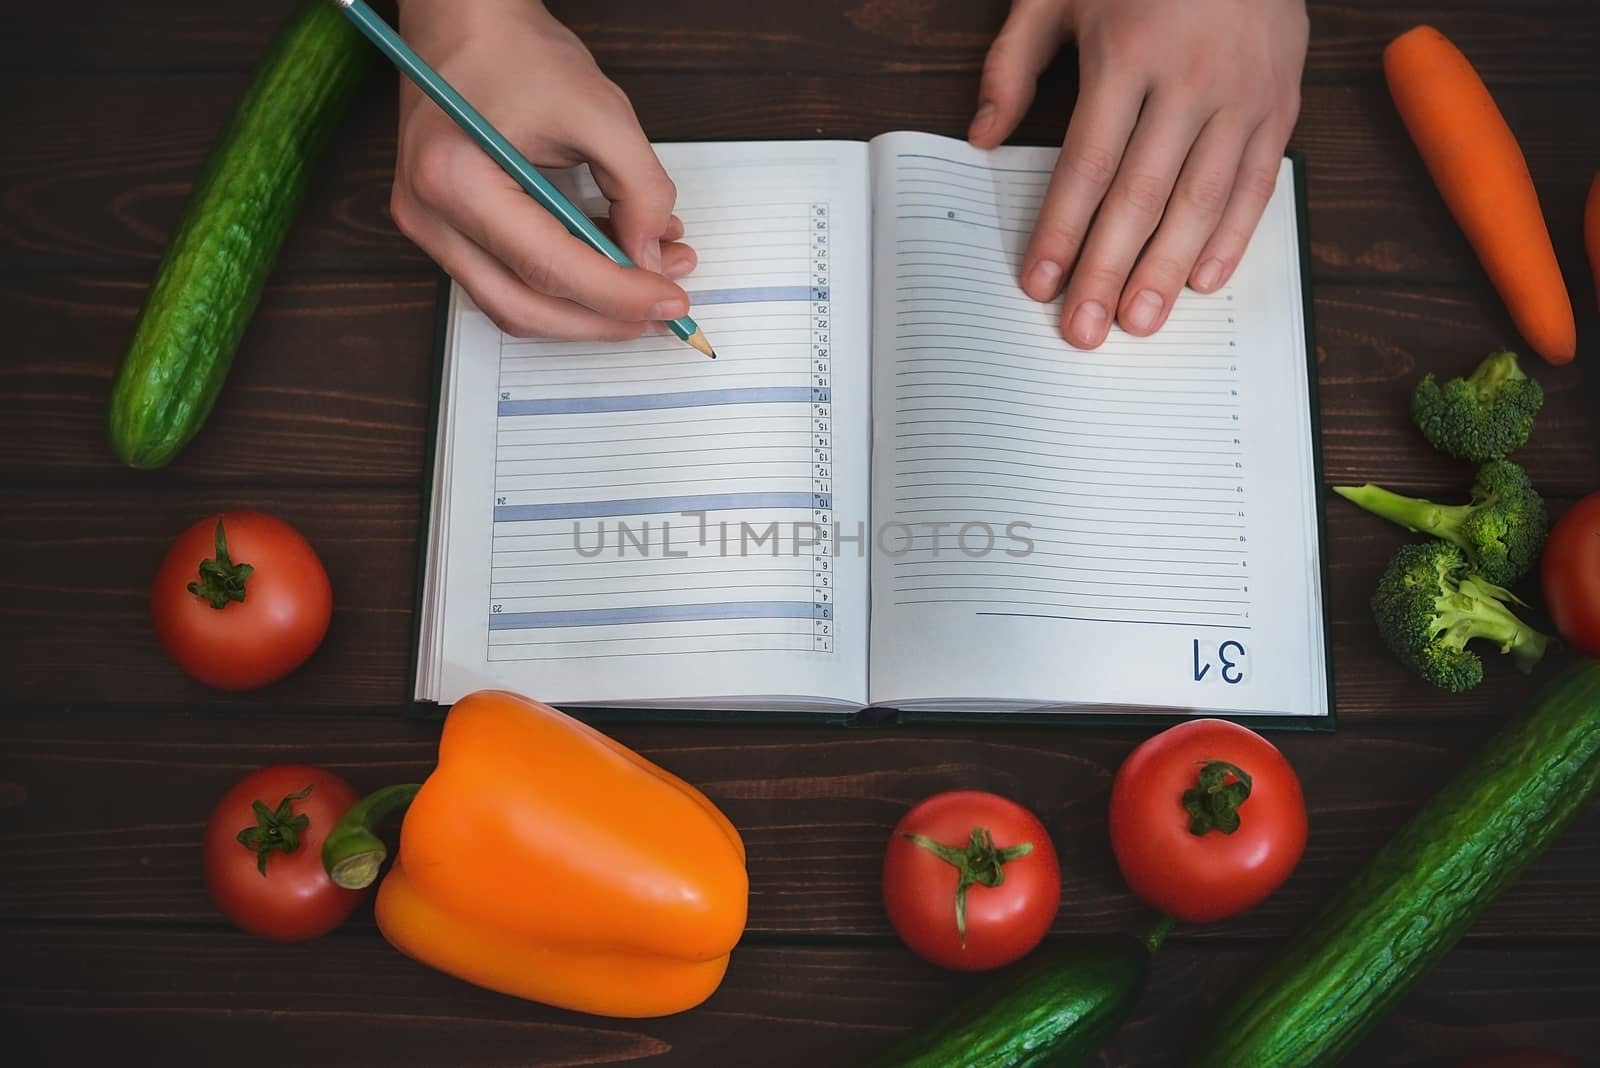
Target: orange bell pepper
544	860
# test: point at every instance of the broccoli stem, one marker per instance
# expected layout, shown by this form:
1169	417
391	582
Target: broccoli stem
1414	513
1493	373
1477	610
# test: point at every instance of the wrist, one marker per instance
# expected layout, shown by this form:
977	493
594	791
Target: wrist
476	15
459	6
439	29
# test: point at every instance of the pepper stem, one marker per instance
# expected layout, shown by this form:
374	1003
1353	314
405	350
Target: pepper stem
353	853
978	862
221	580
1214	803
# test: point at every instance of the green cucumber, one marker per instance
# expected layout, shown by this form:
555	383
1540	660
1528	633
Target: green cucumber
1056	1008
1337	978
232	226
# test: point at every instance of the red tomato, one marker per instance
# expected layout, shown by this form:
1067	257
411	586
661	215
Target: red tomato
264	869
241	600
1211	875
1007	862
1570	572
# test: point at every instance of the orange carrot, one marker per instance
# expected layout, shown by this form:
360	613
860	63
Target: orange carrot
1591	232
1480	171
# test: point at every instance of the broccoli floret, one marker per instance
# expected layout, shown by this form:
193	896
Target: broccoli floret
1485	416
1429	605
1501	530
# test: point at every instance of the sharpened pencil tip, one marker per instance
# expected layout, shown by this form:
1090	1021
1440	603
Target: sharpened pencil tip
698	340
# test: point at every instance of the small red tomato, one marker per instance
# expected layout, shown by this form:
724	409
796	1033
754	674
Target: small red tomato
1570	574
263	853
241	600
970	880
1207	819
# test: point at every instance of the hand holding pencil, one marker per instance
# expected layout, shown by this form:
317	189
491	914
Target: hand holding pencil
470	195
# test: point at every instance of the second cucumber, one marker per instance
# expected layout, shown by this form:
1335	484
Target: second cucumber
1056	1009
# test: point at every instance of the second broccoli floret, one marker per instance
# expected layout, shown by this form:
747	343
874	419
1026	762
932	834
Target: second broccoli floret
1485	416
1429	605
1501	530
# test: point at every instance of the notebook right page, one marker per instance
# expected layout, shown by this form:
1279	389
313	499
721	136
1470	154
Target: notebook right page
1132	527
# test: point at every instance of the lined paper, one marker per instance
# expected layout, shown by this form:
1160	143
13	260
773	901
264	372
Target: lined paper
898	485
1142	475
662	526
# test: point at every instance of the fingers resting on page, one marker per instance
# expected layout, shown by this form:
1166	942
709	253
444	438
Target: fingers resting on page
1171	154
537	84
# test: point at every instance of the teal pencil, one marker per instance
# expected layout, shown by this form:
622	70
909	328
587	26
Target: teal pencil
502	151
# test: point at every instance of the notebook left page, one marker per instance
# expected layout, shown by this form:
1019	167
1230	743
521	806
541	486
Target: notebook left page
634	524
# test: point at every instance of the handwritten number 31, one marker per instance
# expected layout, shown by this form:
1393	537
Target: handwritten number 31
1230	656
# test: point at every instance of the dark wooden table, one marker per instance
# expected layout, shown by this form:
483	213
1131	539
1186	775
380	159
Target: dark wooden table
111	759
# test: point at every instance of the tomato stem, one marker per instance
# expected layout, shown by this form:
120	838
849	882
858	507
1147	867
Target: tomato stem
353	853
978	862
1158	933
275	830
1213	804
221	580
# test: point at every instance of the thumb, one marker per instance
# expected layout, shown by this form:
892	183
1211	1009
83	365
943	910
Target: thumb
1021	50
627	171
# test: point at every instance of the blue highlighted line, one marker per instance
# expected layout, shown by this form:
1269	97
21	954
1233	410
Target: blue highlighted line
639	402
757	293
661	613
708	502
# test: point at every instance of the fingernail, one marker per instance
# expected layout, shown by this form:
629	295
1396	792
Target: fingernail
1143	309
1208	274
669	309
1044	280
980	121
1089	322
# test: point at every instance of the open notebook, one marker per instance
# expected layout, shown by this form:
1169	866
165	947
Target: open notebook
897	486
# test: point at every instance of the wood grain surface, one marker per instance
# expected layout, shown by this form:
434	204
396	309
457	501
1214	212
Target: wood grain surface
110	759
164	996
